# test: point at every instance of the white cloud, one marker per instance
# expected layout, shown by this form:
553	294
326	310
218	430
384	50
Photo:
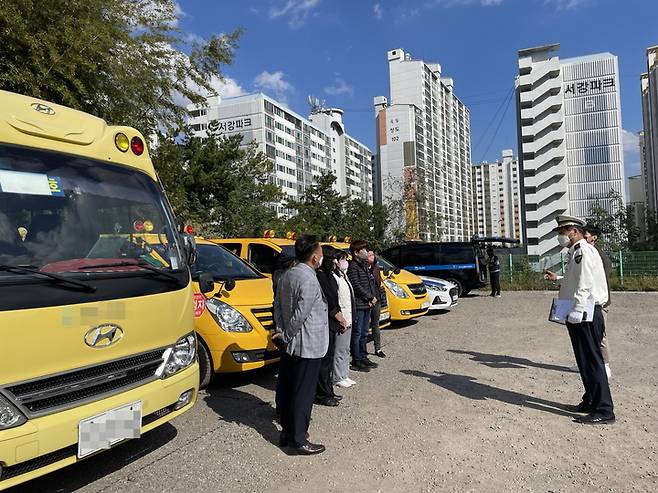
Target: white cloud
631	143
339	87
296	11
274	82
566	4
377	10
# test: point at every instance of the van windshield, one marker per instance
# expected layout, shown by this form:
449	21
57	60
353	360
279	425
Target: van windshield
70	215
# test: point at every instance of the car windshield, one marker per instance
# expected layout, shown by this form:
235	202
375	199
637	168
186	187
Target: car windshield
222	264
67	214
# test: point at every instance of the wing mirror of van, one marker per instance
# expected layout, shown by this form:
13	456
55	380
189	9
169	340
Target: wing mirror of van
206	282
229	285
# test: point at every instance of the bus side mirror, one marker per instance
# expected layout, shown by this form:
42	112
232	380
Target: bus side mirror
229	285
189	248
206	282
387	272
397	271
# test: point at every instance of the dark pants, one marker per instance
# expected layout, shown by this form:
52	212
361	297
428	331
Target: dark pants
586	341
374	326
360	334
297	392
495	283
325	387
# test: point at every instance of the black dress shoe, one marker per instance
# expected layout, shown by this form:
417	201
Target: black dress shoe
583	407
358	366
369	363
596	419
380	354
309	449
330	401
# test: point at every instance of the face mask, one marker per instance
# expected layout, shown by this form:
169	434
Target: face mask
563	240
343	265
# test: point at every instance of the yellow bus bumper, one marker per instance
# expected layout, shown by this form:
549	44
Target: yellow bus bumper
48	443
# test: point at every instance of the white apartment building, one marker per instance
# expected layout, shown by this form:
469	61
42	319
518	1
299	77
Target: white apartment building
570	139
424	150
301	149
649	92
497	198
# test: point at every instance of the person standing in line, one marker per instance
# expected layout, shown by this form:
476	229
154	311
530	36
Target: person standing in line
348	309
301	311
365	292
324	394
494	272
585	279
592	235
377	308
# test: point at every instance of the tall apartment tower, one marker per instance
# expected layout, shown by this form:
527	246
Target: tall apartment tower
649	89
302	149
570	139
497	198
424	150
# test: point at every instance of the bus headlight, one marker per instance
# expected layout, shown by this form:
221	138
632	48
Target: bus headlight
227	317
396	289
9	415
179	356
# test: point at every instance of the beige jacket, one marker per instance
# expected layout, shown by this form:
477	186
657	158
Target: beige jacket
584	277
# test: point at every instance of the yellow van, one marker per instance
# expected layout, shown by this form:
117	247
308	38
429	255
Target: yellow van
263	253
405	292
233	321
96	331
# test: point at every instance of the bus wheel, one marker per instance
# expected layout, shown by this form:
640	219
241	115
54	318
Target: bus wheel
460	289
205	365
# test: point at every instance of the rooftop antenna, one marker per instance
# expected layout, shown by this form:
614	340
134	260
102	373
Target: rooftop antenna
317	105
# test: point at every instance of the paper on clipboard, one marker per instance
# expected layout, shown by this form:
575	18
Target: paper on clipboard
562	307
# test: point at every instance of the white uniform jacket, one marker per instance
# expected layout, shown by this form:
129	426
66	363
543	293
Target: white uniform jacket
584	277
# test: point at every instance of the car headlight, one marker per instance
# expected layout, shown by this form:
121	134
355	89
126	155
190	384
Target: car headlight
227	317
435	287
179	356
9	415
396	289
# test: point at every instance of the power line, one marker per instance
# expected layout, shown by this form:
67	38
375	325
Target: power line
493	118
500	122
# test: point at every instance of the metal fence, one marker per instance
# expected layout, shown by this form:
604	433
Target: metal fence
625	265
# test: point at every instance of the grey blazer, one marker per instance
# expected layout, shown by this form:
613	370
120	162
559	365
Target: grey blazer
300	313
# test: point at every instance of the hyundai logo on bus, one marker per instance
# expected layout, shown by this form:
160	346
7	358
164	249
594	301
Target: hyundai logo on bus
103	336
42	108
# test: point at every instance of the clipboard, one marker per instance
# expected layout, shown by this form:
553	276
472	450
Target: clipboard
561	308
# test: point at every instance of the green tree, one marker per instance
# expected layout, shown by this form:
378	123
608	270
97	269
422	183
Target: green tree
366	222
218	185
120	60
614	225
320	209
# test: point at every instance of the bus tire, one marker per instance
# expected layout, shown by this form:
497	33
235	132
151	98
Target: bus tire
460	288
205	365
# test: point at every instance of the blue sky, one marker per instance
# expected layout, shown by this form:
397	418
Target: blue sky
336	50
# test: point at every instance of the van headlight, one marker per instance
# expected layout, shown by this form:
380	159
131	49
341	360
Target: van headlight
9	415
178	357
396	289
227	317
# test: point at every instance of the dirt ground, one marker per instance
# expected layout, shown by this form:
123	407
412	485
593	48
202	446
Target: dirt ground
469	400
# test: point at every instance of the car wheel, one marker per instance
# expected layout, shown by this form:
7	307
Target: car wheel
460	289
205	365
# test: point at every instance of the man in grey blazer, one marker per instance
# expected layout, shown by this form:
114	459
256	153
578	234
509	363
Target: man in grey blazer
300	312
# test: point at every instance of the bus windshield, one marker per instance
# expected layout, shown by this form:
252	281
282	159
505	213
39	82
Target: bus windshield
222	264
65	214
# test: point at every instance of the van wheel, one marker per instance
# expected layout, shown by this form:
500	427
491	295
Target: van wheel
460	289
205	365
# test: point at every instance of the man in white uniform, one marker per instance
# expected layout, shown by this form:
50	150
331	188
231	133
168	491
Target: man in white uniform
585	279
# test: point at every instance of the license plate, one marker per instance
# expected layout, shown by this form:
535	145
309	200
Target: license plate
384	316
425	305
454	297
109	428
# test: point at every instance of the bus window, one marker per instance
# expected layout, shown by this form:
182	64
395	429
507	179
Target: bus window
263	257
457	254
234	248
419	255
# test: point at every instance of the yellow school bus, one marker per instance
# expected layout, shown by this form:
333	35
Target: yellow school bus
263	253
234	321
405	292
96	329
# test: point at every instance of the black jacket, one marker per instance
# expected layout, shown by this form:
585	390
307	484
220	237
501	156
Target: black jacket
363	282
329	287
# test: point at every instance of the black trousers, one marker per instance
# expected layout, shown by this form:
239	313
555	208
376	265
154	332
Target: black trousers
296	395
495	283
586	341
325	387
375	311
